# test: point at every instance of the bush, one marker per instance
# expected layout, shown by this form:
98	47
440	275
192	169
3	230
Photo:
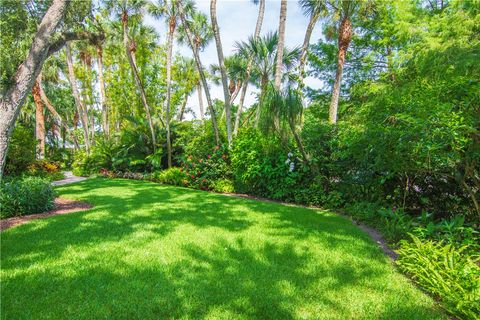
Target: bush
174	176
45	169
448	272
25	196
223	186
21	151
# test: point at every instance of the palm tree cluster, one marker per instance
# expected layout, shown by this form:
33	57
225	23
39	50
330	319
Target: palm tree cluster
114	26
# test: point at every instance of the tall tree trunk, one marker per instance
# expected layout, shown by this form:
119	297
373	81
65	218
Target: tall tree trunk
298	140
306	42
258	28
223	70
39	121
103	96
263	88
171	31
138	81
55	114
182	109
281	44
82	111
344	37
14	98
200	101
201	71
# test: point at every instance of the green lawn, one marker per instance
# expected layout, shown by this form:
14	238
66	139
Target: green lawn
147	251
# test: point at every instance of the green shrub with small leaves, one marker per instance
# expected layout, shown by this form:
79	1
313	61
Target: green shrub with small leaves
22	196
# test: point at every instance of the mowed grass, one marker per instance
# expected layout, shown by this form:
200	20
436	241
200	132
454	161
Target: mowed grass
147	251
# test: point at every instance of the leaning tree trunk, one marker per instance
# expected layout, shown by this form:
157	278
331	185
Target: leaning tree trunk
103	96
81	109
182	108
223	71
258	28
281	44
263	89
39	121
201	71
200	101
306	42
55	114
22	82
344	37
138	81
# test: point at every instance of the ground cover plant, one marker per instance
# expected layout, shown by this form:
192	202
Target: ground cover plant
147	251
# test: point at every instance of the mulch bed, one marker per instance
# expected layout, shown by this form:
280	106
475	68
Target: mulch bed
62	206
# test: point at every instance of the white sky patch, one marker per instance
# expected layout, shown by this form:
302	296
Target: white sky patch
237	20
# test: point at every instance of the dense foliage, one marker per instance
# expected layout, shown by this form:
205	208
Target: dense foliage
402	77
25	196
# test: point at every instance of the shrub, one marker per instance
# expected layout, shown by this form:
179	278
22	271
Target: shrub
25	196
21	151
223	186
174	176
448	272
44	169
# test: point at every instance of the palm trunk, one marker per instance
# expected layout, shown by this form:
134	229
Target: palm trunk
39	121
82	112
223	71
103	96
55	114
169	86
298	140
306	42
14	98
200	101
281	44
263	88
201	71
182	109
258	28
344	37
136	76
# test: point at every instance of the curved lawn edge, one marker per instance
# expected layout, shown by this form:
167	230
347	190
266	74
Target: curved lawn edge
153	251
61	206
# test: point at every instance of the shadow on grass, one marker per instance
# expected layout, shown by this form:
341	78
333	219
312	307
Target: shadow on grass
277	276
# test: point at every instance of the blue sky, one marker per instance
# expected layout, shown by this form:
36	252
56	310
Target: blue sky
237	19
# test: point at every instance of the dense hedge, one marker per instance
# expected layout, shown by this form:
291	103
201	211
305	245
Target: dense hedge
22	196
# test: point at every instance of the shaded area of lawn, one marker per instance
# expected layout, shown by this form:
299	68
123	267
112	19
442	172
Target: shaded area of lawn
147	251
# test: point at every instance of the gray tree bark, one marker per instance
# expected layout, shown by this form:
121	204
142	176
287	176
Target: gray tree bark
81	109
258	28
281	44
138	81
12	101
201	71
223	70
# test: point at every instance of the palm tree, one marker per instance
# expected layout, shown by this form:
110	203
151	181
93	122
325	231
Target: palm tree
81	109
281	44
196	30
286	105
169	10
258	27
39	121
313	9
264	54
223	72
341	13
127	8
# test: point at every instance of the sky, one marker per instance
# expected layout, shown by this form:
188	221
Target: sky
237	20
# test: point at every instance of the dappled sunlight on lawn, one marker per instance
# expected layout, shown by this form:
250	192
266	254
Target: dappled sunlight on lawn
150	251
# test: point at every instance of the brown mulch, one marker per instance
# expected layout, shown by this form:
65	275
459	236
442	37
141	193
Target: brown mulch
62	206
